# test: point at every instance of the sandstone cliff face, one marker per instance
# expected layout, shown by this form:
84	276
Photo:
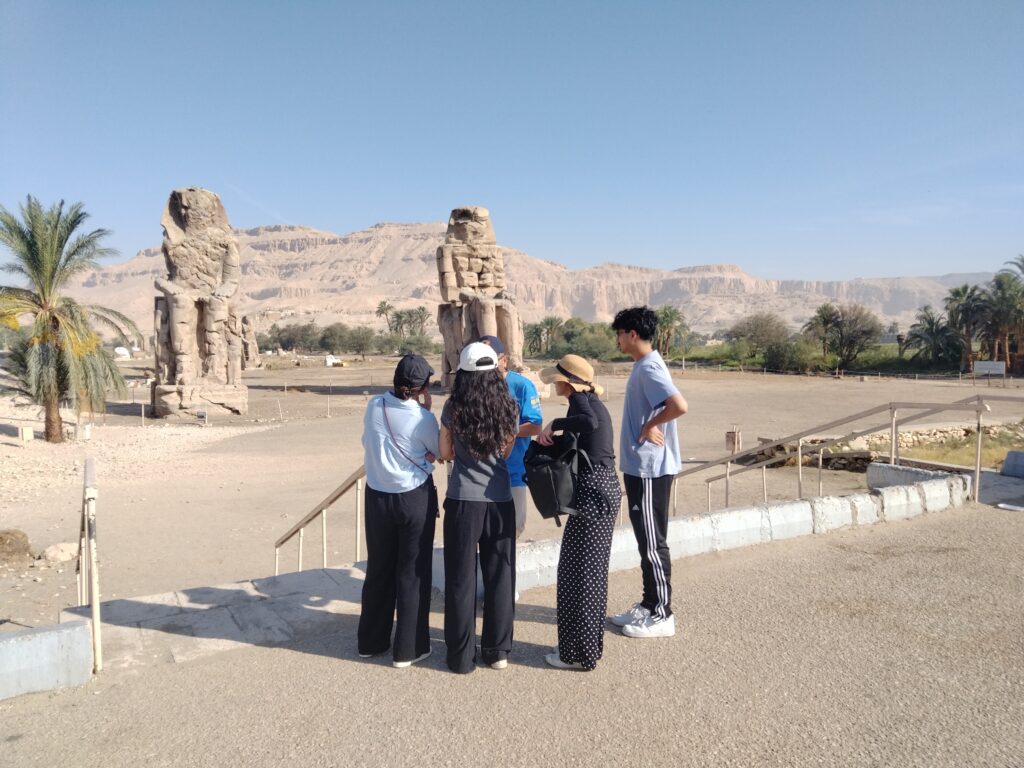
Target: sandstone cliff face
297	274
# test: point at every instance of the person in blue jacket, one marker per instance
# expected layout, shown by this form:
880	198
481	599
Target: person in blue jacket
525	394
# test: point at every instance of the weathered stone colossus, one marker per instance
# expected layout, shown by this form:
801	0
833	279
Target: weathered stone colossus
472	280
199	336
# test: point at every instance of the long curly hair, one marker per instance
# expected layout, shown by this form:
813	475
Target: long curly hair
482	412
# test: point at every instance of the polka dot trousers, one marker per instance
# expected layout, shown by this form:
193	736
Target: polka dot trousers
583	568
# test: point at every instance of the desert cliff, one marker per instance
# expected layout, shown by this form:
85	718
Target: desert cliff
297	274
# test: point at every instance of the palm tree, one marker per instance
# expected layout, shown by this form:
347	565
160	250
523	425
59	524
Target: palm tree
965	308
823	324
551	325
934	339
1016	267
60	358
400	322
670	321
1004	302
384	309
533	335
418	318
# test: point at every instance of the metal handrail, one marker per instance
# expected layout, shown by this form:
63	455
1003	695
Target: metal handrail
320	510
974	403
88	566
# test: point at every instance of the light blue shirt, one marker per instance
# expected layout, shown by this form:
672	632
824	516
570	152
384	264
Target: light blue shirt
526	397
648	387
415	432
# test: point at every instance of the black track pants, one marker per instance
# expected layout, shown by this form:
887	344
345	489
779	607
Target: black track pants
648	499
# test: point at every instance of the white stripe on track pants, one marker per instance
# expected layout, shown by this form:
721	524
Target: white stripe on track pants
648	499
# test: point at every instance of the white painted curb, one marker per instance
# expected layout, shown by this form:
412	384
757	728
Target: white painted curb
896	493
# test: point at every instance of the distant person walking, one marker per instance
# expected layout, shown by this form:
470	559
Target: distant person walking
400	443
649	460
530	419
582	595
478	428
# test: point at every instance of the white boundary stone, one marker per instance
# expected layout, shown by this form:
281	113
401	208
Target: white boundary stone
866	508
736	528
935	494
829	513
686	535
45	658
789	519
899	502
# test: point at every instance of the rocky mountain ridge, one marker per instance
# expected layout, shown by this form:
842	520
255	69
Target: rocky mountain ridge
297	274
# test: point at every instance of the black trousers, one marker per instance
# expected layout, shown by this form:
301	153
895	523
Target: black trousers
491	526
399	550
648	499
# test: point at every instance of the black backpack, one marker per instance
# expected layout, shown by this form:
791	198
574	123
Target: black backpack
551	472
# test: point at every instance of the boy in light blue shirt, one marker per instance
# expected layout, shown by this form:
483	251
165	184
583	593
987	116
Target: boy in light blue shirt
649	460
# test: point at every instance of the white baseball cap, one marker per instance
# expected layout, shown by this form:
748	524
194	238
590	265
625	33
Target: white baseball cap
478	357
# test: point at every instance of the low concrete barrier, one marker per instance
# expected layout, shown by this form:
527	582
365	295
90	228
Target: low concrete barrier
1013	466
896	493
45	658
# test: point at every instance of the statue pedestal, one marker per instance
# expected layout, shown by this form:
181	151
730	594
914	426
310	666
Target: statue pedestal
193	399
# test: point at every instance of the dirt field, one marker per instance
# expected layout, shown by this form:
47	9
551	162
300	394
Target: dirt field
185	505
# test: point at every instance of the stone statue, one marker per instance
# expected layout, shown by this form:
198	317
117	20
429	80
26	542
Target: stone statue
250	349
199	336
472	279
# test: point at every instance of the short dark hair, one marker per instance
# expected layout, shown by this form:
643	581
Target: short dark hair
643	320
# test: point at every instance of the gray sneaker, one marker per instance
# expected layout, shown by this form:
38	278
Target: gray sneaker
555	661
634	614
651	626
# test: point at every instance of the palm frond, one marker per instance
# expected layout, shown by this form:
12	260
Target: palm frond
113	320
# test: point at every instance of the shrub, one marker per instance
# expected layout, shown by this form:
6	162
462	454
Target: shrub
796	356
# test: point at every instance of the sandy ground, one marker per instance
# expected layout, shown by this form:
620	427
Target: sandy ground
892	645
190	505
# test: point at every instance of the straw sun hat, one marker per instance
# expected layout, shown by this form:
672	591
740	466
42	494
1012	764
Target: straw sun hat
574	371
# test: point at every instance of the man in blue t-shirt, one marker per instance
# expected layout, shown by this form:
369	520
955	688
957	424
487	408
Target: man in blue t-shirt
649	460
530	422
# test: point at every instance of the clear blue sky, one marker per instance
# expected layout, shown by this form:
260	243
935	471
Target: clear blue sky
817	140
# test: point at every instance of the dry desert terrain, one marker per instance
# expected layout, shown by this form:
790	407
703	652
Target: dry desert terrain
184	504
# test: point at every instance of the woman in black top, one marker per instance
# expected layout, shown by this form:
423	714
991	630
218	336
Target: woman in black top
587	541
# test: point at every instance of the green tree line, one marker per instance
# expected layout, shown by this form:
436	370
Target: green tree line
338	338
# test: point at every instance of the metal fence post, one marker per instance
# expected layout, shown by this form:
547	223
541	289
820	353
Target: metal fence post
977	461
800	468
892	436
359	518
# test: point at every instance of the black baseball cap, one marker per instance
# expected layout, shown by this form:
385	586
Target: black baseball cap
413	372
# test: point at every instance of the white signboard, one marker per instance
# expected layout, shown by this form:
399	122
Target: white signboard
989	368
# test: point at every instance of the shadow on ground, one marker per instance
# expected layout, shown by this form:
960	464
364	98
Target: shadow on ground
314	611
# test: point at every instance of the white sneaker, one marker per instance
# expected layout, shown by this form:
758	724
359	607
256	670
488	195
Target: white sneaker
555	661
499	664
636	613
651	626
403	664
